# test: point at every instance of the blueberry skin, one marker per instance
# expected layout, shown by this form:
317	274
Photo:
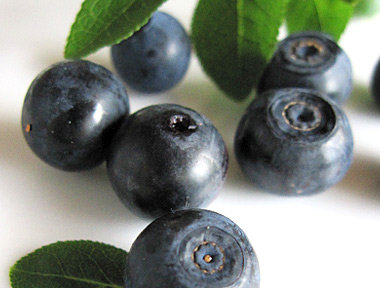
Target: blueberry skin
156	57
70	113
167	157
294	142
309	60
192	249
375	85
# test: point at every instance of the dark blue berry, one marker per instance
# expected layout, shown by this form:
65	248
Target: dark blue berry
156	57
375	85
166	157
192	249
309	60
294	141
71	112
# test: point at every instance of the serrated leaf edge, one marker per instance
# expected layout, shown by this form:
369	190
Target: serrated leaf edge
79	53
14	269
78	16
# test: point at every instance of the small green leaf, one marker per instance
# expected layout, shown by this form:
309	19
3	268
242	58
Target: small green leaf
102	23
234	40
71	264
328	16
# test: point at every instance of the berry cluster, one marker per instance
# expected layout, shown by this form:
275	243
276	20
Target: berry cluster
293	139
160	159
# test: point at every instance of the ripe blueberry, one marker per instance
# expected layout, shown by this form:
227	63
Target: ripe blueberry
166	157
156	57
293	141
70	112
192	249
309	60
375	85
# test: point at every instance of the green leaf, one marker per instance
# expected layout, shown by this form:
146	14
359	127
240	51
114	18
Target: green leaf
234	40
70	264
102	23
328	16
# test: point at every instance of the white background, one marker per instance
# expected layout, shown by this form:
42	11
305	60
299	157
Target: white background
329	240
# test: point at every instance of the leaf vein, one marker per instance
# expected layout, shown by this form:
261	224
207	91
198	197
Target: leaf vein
318	15
59	262
97	265
105	27
68	277
113	262
262	9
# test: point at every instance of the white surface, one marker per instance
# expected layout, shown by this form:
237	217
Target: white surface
329	240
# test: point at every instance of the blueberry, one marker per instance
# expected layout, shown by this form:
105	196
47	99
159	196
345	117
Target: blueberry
70	112
309	60
156	57
375	85
294	141
166	157
192	249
